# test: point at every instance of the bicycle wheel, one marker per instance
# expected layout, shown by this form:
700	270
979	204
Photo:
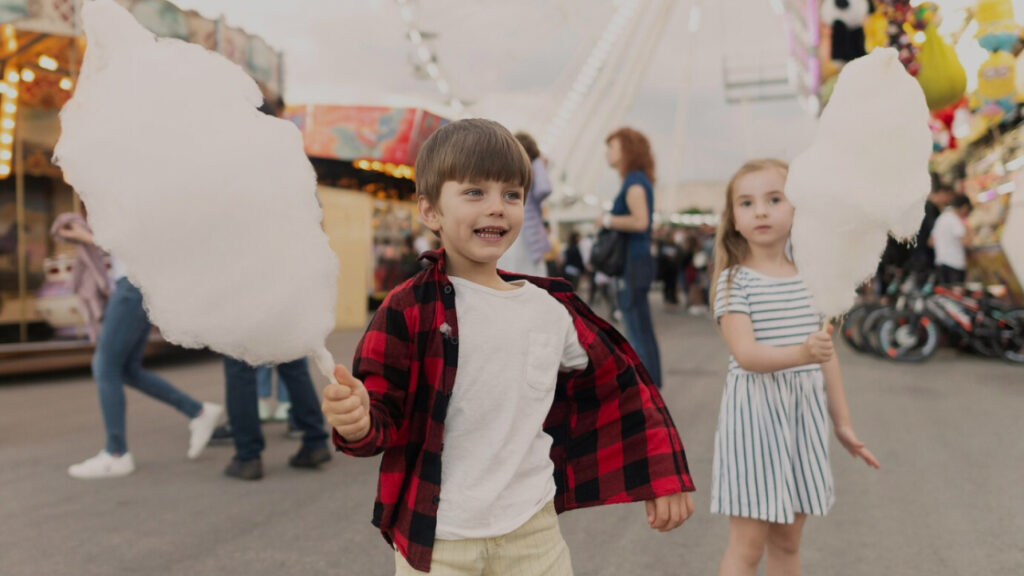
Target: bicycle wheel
869	329
906	336
1013	336
852	324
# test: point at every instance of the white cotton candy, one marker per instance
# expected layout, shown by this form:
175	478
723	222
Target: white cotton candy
865	175
210	203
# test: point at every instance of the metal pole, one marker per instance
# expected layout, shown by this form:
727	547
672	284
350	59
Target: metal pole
19	164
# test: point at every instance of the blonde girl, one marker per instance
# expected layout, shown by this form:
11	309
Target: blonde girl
771	465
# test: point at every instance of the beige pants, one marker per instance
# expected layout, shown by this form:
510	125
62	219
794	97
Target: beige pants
534	549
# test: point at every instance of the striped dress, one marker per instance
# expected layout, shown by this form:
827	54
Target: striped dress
771	446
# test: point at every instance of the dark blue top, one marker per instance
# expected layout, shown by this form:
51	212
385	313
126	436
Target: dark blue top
638	243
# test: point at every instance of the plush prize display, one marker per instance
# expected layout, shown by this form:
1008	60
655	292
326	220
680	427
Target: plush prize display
997	29
846	17
997	87
210	203
942	77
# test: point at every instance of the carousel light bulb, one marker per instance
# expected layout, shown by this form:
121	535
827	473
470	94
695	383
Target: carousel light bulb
5	169
47	63
7	124
66	84
7	138
5	155
12	45
13	77
10	107
28	75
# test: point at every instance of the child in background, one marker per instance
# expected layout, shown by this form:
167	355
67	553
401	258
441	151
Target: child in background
497	400
771	466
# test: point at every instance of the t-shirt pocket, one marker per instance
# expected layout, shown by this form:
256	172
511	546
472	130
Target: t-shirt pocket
544	355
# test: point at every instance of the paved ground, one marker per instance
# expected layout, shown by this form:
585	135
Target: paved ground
947	501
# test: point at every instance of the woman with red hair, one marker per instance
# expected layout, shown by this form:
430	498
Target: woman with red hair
629	153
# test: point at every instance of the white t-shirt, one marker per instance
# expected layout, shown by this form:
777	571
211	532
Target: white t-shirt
496	469
947	235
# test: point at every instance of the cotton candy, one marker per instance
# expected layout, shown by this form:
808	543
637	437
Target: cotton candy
209	203
864	176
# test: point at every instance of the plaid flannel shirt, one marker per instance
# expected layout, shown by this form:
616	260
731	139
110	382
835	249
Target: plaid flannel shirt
614	440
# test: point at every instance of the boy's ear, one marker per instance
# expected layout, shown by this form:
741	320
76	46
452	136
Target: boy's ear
429	214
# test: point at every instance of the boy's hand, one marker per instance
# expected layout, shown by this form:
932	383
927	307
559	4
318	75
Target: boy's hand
848	438
819	347
346	405
666	513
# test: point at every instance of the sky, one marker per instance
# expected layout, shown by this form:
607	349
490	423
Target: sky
516	61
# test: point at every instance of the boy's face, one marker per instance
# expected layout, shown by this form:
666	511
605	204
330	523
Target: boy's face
477	221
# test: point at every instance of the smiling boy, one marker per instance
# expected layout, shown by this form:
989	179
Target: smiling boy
498	400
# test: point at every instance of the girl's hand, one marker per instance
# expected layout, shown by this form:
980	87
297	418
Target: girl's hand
819	347
848	438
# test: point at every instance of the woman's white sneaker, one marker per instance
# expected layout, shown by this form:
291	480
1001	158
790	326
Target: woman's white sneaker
103	465
201	428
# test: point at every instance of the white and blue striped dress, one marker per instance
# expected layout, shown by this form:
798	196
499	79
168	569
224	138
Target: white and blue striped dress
771	446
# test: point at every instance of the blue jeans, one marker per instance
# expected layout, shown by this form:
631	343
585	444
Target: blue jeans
265	384
636	313
118	361
245	418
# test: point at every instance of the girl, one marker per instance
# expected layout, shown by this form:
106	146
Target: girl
771	465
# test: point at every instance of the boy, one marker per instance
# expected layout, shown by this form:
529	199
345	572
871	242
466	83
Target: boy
497	399
950	239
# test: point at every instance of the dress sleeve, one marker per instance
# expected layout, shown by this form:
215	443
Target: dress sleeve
730	295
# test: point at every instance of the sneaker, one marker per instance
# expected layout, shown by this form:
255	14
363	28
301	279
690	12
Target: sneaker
281	414
265	413
308	457
201	428
245	470
103	465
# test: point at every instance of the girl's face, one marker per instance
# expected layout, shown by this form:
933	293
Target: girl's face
762	212
614	153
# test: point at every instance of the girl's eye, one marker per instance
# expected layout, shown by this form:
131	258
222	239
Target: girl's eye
474	192
776	200
513	195
745	203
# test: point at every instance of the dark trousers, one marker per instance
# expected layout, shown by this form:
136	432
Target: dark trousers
949	275
243	411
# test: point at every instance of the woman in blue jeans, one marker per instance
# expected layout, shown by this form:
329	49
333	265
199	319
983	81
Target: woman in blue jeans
629	153
117	362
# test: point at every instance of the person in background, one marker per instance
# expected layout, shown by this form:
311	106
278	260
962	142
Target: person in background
243	415
553	259
528	254
950	238
668	266
629	153
574	266
117	362
265	390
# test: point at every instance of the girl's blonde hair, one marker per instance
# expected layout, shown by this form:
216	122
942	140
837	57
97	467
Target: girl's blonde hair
731	248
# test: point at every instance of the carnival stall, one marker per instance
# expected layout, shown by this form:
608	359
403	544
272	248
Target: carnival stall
364	158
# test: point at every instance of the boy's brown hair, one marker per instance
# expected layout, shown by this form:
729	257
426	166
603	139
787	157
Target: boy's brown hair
470	150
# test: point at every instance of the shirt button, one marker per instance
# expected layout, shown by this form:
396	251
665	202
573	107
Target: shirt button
436	500
447	289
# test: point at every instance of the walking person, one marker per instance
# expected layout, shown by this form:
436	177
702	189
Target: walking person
117	362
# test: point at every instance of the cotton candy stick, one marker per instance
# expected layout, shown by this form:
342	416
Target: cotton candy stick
864	176
209	203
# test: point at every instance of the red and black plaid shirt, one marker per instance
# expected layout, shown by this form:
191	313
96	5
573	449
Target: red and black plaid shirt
614	440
